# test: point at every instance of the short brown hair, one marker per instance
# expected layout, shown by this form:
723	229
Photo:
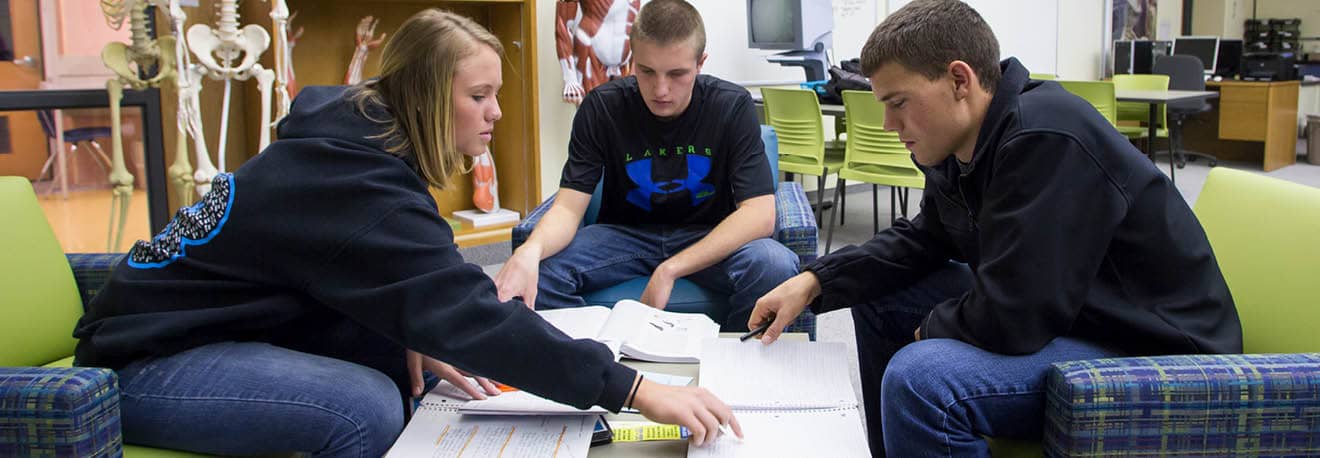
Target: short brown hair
665	22
416	86
926	35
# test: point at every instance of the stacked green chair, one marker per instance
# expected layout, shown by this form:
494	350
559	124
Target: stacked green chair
876	156
795	116
1043	76
48	408
1140	111
1099	93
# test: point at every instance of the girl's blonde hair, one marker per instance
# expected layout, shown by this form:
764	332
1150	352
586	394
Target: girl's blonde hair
416	87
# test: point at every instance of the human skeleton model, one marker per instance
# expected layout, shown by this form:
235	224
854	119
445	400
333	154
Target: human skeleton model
143	53
217	49
290	80
365	29
280	18
591	40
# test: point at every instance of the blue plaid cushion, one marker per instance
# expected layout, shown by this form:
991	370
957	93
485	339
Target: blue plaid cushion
59	412
91	270
1197	405
795	224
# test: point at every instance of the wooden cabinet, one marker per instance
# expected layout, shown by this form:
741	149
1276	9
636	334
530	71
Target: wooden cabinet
322	55
1261	112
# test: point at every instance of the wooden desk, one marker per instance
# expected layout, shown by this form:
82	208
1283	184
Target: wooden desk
1251	121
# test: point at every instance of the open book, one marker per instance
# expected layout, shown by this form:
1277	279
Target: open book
791	399
437	429
638	331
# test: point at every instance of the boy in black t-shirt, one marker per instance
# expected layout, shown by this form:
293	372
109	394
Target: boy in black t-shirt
687	189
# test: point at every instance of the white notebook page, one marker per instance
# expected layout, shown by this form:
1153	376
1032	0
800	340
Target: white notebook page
785	374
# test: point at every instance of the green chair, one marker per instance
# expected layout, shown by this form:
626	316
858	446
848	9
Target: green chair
876	156
1043	76
795	116
1099	93
46	406
1140	112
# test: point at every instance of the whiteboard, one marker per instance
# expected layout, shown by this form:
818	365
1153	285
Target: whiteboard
1026	29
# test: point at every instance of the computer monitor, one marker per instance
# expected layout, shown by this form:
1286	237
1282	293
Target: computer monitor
1122	57
1204	48
1228	61
802	28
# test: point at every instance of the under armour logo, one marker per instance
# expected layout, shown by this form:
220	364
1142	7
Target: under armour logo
698	167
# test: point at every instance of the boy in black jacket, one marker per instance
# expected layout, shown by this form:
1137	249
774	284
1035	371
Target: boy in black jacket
1044	236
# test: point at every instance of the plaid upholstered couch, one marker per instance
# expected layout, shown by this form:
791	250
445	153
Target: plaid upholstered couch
1266	236
48	408
795	227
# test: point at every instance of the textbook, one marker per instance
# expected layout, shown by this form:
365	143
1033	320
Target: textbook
437	428
637	330
791	399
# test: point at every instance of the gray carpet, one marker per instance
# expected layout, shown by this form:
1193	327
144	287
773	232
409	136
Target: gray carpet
857	228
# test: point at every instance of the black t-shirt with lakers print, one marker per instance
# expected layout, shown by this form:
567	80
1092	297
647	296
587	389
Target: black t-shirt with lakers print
692	169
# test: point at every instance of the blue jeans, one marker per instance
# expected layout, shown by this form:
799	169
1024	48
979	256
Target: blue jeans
938	397
246	398
604	255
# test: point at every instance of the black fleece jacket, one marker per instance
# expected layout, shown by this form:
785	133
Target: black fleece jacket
1069	231
321	232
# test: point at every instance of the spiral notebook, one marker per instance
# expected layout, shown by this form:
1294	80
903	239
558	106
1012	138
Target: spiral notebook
437	429
791	399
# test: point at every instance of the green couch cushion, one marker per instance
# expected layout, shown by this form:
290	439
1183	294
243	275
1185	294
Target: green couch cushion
1265	233
38	297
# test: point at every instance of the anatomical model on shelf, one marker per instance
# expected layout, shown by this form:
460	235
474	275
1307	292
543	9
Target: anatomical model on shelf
485	187
362	46
591	40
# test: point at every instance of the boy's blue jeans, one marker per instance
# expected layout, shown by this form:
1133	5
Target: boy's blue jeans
939	397
604	255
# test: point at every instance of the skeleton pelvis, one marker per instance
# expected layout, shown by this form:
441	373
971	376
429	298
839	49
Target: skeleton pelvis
116	57
206	43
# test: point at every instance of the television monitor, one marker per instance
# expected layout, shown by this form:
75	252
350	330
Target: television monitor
1204	48
790	24
1228	61
803	29
1122	57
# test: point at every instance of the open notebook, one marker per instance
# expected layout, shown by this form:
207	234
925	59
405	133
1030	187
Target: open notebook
638	331
791	399
437	429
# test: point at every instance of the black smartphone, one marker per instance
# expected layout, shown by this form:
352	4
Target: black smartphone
602	434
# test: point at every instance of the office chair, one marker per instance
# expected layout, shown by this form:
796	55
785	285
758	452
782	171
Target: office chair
73	137
1185	74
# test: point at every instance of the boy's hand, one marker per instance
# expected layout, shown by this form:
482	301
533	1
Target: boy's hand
519	276
783	304
693	407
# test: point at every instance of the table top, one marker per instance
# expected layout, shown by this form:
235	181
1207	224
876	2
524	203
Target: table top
658	448
1127	95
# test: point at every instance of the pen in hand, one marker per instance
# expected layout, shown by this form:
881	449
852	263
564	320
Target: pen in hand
755	332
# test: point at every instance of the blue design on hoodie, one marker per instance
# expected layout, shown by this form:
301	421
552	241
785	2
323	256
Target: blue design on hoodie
194	225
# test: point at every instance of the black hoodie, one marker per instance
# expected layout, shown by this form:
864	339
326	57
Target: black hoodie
325	229
1069	231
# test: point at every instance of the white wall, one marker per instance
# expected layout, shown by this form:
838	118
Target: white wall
1080	27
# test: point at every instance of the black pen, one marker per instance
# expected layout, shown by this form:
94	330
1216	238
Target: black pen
759	330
